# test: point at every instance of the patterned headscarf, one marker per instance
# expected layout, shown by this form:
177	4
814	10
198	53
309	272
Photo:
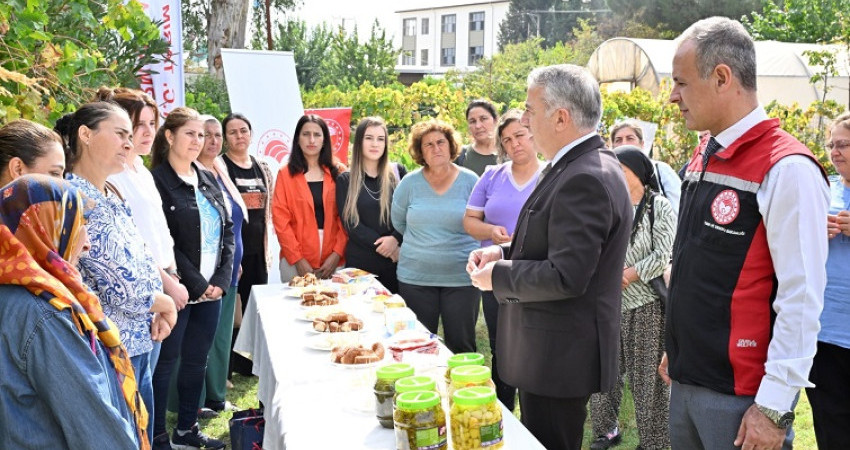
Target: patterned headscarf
41	224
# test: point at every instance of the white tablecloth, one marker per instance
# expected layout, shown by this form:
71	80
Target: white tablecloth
310	403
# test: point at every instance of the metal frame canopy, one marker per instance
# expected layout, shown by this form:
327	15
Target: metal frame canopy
783	70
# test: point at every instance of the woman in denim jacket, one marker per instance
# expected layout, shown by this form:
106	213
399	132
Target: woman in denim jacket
203	247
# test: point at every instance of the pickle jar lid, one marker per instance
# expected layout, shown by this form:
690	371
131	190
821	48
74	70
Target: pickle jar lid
475	395
471	374
418	400
466	359
394	371
417	383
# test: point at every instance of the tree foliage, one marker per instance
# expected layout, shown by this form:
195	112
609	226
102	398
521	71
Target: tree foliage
502	77
550	17
817	21
674	16
326	58
54	53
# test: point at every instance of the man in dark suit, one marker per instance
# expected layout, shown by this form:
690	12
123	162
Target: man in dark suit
558	282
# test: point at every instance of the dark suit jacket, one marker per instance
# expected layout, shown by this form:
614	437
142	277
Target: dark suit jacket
559	287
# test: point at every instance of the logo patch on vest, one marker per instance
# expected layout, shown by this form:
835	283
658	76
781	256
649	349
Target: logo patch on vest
725	207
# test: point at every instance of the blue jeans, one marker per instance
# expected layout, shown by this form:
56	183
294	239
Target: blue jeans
190	339
157	346
141	365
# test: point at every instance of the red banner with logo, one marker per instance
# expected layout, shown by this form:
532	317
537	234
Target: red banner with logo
339	125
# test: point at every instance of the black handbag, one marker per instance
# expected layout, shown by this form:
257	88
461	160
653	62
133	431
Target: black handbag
658	284
648	204
246	429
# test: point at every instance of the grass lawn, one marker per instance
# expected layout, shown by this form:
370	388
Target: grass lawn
244	395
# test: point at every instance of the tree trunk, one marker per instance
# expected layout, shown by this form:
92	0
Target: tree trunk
227	25
269	24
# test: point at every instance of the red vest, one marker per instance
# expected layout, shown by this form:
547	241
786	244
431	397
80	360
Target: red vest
720	315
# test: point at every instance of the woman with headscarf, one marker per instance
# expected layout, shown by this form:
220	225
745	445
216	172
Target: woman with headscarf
67	380
642	329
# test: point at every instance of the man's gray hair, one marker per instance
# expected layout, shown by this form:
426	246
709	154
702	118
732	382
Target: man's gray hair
720	40
572	88
209	118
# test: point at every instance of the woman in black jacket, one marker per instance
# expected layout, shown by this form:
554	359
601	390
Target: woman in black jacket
203	247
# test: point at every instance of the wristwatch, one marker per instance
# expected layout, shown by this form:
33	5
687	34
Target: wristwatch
780	419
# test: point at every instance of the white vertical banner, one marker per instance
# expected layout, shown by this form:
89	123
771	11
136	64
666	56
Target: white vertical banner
166	83
263	86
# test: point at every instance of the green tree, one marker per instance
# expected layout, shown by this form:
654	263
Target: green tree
674	16
308	46
552	20
350	63
502	78
54	53
820	21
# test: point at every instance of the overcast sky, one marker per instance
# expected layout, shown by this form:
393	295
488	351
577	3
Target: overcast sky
349	12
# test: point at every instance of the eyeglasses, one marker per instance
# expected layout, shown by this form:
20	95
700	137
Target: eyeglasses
838	145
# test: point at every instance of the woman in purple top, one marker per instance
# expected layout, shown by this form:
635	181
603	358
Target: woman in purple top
493	209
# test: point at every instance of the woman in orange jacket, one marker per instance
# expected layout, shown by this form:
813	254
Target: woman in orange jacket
304	209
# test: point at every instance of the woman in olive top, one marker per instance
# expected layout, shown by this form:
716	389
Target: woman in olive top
481	118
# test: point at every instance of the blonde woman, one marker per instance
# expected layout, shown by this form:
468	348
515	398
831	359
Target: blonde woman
364	196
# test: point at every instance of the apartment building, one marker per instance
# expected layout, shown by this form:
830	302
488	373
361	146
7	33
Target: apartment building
439	35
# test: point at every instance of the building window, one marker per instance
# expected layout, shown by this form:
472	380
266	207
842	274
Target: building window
447	57
423	60
425	25
475	54
476	21
449	23
409	27
407	58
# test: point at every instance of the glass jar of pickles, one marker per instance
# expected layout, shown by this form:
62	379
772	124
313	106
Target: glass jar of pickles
385	390
420	422
468	376
476	419
462	359
417	383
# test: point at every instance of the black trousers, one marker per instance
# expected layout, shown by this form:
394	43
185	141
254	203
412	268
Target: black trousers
558	423
830	399
254	271
456	306
505	392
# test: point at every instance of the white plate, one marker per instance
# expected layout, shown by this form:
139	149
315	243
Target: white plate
326	341
312	330
356	366
314	312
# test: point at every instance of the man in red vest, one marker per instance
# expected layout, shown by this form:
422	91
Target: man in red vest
749	257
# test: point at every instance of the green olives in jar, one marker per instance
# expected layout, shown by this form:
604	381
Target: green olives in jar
420	422
476	419
385	390
468	376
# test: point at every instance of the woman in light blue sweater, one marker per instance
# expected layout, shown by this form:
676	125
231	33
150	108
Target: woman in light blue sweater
428	208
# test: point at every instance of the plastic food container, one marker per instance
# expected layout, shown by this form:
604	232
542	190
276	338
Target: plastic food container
469	376
476	419
418	383
420	422
385	390
462	359
398	319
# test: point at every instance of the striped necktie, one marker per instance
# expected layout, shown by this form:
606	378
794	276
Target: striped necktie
710	149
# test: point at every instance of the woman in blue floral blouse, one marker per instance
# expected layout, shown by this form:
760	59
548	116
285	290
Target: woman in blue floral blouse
118	267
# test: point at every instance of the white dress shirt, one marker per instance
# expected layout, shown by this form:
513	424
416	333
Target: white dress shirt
140	192
793	200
